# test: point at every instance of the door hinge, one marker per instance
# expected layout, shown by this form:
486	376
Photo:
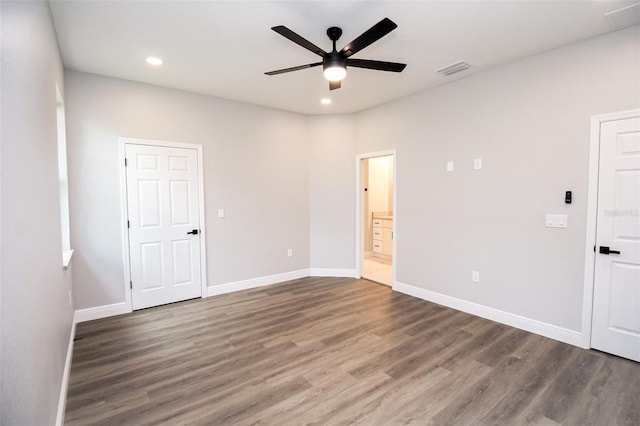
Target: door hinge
125	162
131	285
129	225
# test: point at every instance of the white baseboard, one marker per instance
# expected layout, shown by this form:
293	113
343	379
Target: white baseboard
98	312
325	272
534	326
62	400
256	282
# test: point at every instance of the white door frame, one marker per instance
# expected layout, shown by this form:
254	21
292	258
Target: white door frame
125	214
360	210
592	216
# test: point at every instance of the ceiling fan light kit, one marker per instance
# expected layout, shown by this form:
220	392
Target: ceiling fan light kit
335	73
335	63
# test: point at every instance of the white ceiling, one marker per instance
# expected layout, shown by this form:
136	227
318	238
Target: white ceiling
223	48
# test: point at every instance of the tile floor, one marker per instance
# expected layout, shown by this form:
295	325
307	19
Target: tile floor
378	270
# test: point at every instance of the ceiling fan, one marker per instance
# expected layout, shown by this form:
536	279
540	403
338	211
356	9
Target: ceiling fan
335	63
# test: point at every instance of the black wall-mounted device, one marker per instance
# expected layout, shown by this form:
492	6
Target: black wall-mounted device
567	197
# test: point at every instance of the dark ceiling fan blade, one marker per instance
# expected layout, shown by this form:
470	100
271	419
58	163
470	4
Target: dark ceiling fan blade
373	34
286	32
298	68
376	65
334	85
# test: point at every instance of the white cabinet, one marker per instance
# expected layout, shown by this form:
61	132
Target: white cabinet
376	236
382	237
387	241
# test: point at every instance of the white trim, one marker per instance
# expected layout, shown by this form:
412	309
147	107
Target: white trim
256	282
360	207
534	326
203	229
64	386
326	272
66	258
592	214
104	311
125	216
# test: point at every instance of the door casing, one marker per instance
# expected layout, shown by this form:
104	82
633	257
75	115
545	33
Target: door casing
125	214
360	210
592	215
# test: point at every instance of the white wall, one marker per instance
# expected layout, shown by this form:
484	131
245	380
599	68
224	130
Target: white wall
332	189
529	122
36	316
379	186
256	168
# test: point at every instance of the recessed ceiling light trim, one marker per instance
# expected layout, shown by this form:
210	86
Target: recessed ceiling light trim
152	60
454	68
325	101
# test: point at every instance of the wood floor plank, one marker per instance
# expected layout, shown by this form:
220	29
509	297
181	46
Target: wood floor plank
542	364
421	411
336	351
477	400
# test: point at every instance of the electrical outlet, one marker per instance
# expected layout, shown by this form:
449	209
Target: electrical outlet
475	276
477	163
290	253
449	166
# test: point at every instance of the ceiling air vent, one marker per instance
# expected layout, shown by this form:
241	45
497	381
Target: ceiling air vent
454	68
625	17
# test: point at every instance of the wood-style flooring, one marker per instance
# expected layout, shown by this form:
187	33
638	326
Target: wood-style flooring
336	351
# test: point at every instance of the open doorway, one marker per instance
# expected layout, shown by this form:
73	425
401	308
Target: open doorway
376	217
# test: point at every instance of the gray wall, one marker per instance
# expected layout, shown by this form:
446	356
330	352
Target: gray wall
529	122
256	168
36	315
332	188
288	181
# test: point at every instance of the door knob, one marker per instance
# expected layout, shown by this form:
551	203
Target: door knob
194	232
607	250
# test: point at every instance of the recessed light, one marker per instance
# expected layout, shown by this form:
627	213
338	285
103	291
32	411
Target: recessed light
325	101
154	61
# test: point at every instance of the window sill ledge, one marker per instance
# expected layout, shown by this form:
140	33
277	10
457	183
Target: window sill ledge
66	258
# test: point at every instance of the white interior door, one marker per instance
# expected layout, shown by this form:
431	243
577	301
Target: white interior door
164	224
616	302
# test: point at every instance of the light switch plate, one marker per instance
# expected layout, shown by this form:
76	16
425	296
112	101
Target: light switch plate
449	166
477	163
556	220
220	213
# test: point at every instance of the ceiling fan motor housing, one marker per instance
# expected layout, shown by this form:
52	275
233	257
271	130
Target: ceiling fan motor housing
334	59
